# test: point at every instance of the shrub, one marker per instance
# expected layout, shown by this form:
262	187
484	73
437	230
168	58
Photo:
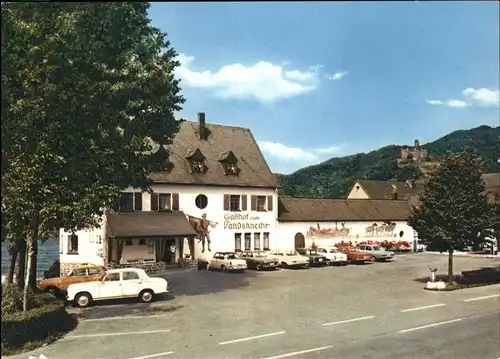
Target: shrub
12	299
54	270
35	325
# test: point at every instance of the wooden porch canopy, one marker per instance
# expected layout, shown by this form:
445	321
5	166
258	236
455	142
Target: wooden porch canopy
144	224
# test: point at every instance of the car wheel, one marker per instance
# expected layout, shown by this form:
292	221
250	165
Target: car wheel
373	259
83	300
146	296
207	266
259	267
223	268
284	265
349	261
328	262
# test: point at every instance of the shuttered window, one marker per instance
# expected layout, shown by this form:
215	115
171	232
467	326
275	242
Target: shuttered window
248	241
270	203
138	201
164	201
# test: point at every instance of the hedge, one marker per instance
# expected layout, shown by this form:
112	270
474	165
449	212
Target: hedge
35	325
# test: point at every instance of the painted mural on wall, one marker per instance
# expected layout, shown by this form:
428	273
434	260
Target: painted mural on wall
381	229
337	231
202	227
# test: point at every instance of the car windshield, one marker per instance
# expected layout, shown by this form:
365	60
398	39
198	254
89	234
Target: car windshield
259	254
232	256
292	253
377	248
313	252
333	250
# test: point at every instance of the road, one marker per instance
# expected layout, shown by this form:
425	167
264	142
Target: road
369	311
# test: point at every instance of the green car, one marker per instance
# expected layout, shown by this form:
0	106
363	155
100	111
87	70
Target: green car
378	253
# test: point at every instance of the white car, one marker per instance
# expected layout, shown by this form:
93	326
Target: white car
289	258
227	262
333	255
116	284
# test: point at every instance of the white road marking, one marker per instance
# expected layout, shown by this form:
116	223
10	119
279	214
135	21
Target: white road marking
420	308
154	355
301	352
124	318
481	298
115	334
430	325
251	338
348	321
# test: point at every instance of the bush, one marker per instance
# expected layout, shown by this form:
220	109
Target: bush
12	299
35	325
54	270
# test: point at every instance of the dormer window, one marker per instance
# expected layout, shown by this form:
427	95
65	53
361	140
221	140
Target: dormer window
229	164
196	162
160	160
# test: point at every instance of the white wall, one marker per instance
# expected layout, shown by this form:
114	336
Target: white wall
357	193
90	244
357	232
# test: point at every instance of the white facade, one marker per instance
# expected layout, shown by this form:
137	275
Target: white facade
255	229
331	233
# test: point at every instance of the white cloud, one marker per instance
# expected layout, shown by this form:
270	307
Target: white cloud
262	81
296	154
338	75
483	96
450	103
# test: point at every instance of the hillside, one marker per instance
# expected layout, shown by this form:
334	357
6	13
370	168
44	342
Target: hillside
333	177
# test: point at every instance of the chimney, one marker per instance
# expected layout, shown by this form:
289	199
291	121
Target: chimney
394	193
202	130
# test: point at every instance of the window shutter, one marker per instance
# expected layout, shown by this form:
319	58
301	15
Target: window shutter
226	202
138	201
243	202
175	201
269	203
253	200
154	201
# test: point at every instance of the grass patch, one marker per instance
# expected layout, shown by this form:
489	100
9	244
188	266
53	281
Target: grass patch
468	279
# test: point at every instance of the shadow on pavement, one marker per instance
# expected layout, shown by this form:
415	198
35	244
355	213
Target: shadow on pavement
197	282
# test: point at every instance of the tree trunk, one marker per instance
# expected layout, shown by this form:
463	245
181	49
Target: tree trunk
9	275
21	265
451	278
33	269
31	243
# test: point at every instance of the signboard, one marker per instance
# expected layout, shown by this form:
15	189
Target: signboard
238	221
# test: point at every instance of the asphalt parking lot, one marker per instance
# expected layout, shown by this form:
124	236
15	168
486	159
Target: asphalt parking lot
375	310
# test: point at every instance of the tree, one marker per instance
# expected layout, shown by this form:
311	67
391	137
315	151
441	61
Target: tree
453	212
85	88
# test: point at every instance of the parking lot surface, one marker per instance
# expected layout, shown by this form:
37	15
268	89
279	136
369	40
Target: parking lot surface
376	310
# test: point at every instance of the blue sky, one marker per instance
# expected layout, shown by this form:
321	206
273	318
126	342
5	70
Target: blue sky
320	80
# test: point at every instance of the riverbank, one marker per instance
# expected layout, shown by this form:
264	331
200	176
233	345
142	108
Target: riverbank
48	252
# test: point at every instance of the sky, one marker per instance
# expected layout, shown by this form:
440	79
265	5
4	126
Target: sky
316	80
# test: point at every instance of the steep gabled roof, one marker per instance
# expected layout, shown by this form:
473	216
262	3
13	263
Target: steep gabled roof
254	170
296	209
385	189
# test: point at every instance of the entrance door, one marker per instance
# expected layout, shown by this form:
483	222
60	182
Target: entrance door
300	241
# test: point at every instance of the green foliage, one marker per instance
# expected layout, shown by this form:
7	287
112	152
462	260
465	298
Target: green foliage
454	211
54	271
12	299
35	325
332	178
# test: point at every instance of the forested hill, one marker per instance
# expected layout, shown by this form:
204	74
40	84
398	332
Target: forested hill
333	177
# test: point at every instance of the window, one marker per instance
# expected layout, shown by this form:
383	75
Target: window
234	203
112	277
229	164
164	201
131	202
93	271
237	241
78	273
73	244
142	242
130	276
261	203
129	242
201	201
266	241
197	166
248	241
256	241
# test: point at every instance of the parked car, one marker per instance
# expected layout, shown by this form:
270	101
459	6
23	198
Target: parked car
354	255
333	255
226	262
376	252
259	260
289	258
315	258
117	284
79	274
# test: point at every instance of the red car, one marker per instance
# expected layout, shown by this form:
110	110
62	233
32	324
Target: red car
354	255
